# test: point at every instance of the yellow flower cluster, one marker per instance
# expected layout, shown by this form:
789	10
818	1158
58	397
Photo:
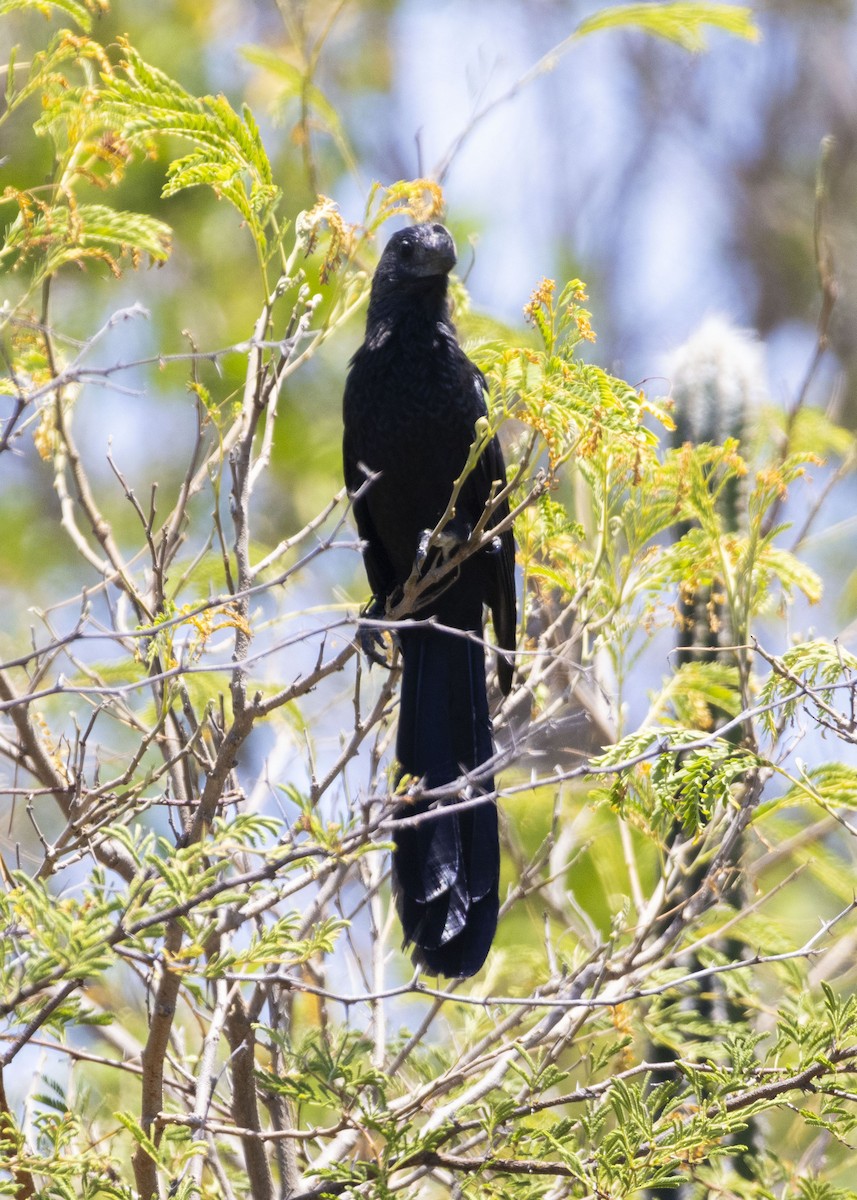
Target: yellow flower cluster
541	301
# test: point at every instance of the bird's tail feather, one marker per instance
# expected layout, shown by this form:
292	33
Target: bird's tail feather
446	866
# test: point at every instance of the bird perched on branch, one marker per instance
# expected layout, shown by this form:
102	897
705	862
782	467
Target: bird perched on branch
426	479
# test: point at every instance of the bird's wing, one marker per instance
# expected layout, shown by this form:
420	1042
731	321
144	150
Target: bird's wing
379	569
500	574
489	475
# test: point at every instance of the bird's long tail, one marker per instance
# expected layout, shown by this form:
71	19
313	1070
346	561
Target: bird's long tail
446	867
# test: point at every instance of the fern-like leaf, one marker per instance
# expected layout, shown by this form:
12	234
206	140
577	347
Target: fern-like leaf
63	234
145	104
681	23
80	11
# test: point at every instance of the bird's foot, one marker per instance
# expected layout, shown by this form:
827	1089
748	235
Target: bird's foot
370	639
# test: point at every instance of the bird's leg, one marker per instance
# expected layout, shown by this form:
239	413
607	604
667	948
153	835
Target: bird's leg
452	537
370	640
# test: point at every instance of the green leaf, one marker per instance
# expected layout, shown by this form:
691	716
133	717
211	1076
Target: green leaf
228	154
814	432
683	24
790	572
829	784
139	1135
293	80
79	12
817	664
696	689
89	231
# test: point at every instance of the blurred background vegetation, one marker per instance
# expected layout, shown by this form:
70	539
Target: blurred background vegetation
675	185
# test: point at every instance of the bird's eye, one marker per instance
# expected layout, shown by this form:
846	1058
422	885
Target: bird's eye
406	249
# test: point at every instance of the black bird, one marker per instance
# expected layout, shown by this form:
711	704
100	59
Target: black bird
412	401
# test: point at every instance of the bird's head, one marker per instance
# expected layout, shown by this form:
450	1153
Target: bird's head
421	252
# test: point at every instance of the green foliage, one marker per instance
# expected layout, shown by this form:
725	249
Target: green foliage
194	910
672	775
142	103
80	11
59	236
816	673
296	86
56	227
682	23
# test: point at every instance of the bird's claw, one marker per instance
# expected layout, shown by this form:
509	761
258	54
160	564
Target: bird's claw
372	644
371	639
